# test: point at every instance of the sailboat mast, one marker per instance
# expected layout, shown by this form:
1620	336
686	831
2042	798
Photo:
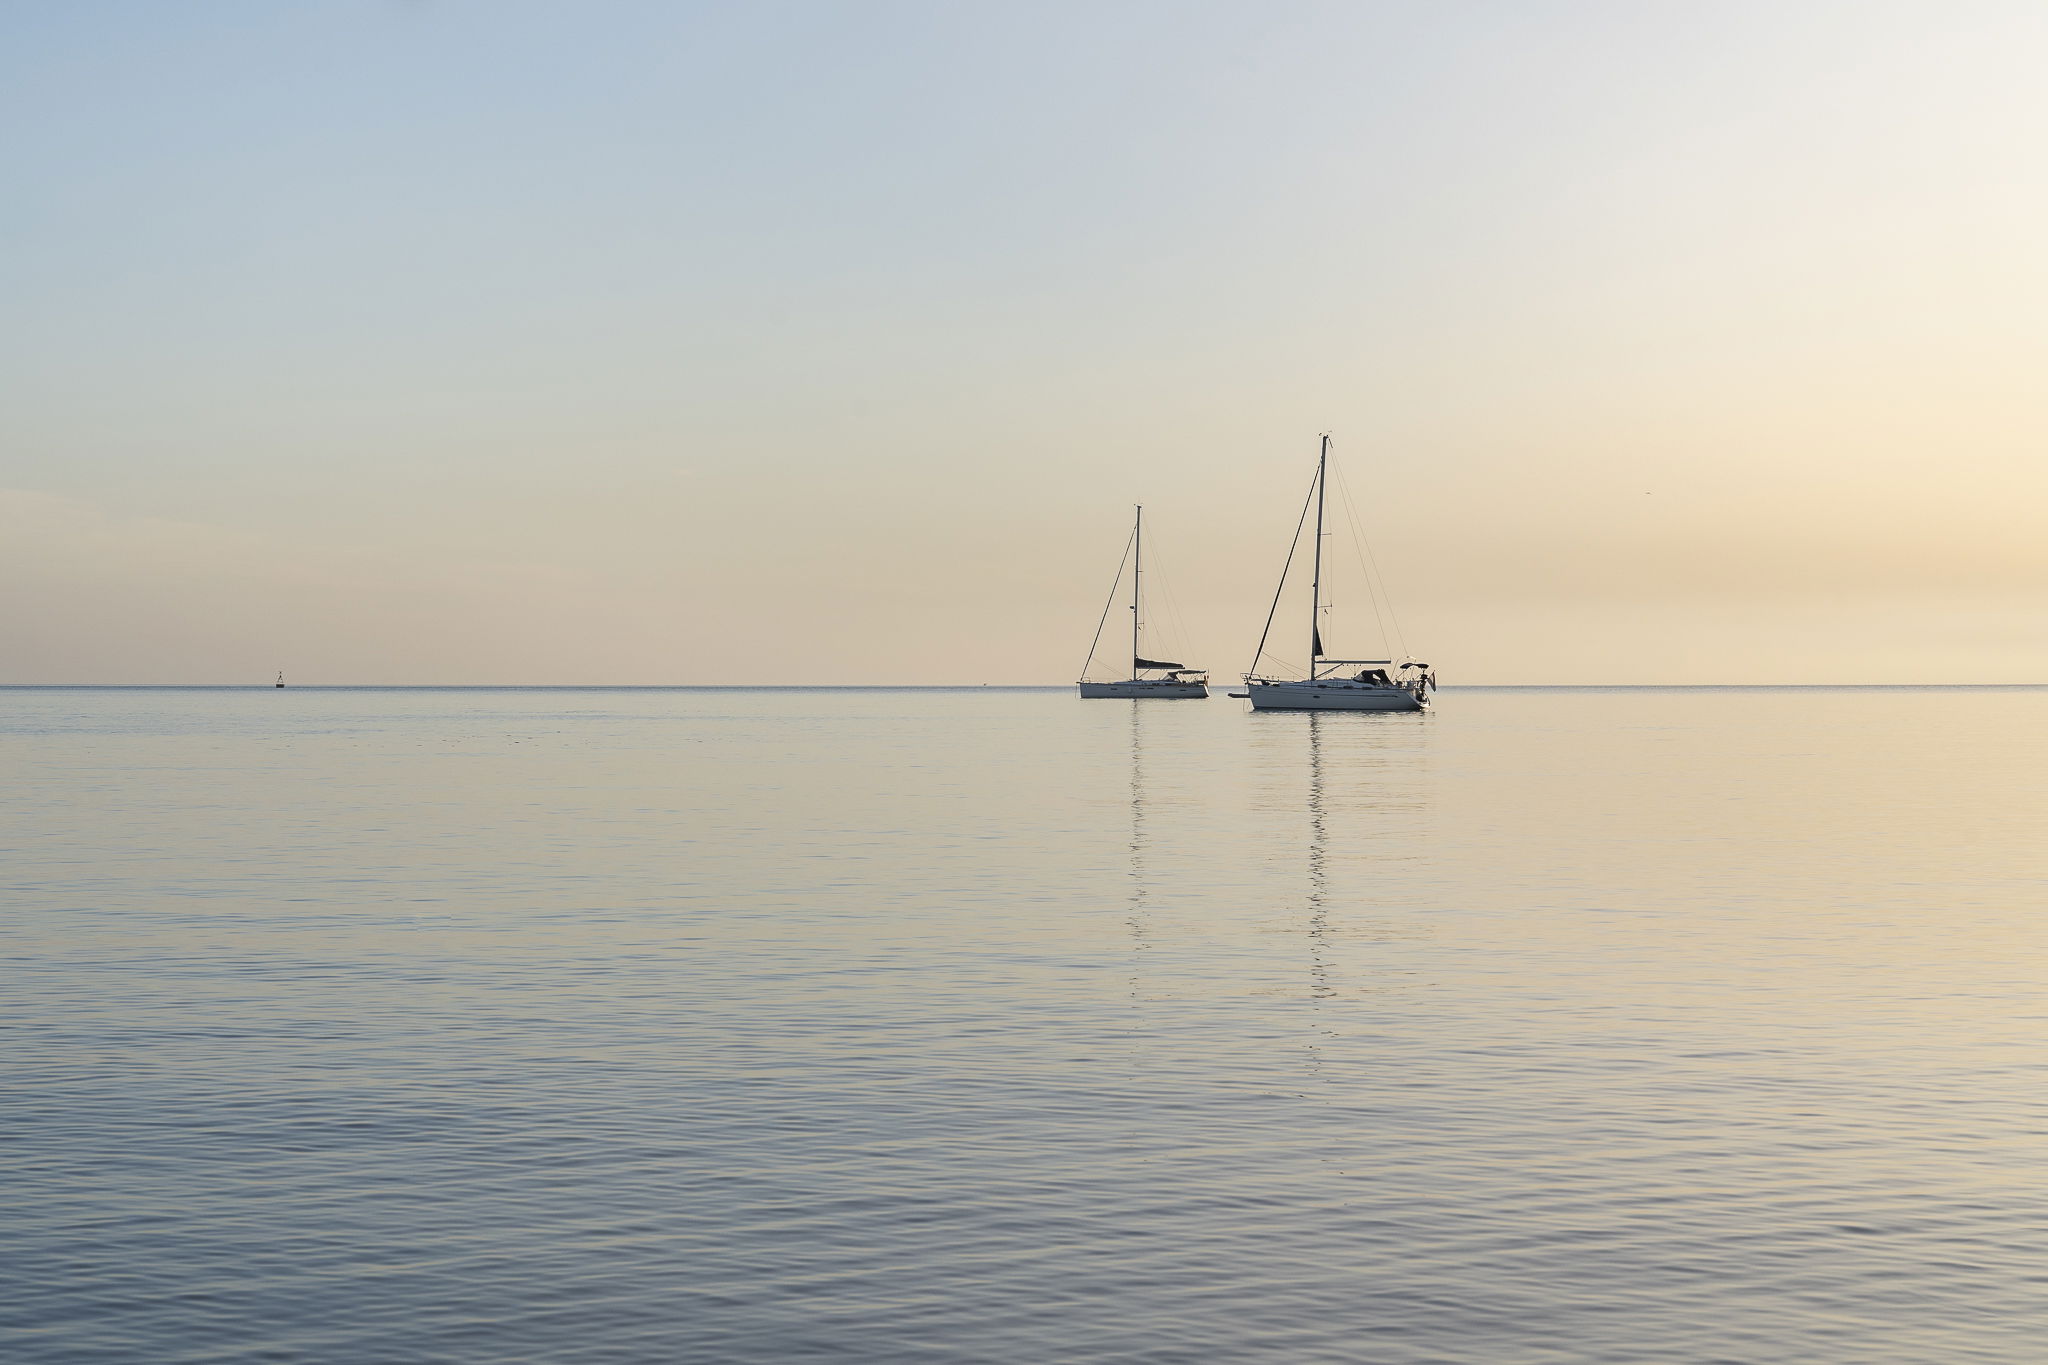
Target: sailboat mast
1137	567
1315	595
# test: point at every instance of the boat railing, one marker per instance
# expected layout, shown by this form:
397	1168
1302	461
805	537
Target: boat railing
1340	680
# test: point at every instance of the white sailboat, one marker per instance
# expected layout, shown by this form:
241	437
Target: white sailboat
1378	685
1169	680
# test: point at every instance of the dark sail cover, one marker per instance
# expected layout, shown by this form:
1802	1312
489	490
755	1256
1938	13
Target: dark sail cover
1317	633
1153	663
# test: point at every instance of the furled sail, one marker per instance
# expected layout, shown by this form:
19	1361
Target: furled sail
1154	663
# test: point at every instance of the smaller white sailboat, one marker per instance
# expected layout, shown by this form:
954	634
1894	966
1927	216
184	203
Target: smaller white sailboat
1169	680
1378	685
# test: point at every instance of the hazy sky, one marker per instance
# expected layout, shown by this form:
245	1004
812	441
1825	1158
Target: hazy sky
606	341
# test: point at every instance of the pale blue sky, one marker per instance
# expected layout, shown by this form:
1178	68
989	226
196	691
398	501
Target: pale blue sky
659	342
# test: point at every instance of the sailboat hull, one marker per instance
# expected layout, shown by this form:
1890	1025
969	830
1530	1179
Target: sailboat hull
1139	687
1332	695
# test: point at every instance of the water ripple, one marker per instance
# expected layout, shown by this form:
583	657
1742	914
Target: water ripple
992	1026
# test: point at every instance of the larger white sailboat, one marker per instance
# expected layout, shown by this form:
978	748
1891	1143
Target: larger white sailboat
1169	680
1378	685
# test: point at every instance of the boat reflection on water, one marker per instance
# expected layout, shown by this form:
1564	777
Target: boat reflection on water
1139	917
1318	866
1357	923
1346	783
1333	809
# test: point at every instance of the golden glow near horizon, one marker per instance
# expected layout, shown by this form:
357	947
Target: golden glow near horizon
705	344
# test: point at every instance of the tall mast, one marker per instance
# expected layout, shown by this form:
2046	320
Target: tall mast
1137	562
1315	595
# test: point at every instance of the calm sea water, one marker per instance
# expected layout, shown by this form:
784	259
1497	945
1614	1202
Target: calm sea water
580	1026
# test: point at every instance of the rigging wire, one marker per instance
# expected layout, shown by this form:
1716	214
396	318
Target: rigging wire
1375	580
1175	637
1285	569
1096	643
1372	593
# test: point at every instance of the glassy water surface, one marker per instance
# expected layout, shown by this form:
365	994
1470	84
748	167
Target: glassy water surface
582	1026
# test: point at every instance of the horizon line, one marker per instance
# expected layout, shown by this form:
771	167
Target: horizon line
953	687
